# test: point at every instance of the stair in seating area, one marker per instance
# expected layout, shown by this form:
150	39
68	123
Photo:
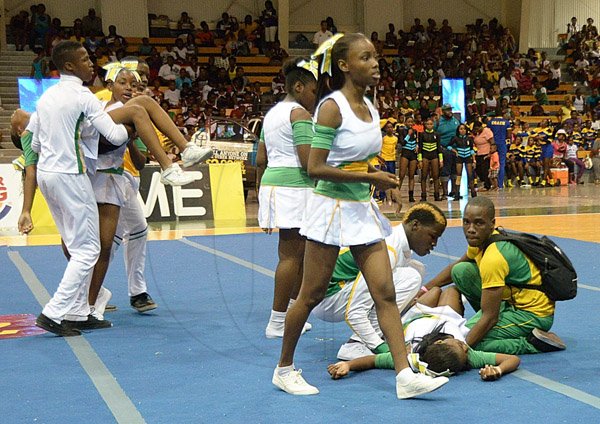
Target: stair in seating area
13	64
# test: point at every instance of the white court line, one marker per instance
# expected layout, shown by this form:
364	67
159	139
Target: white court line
113	394
231	258
563	389
522	374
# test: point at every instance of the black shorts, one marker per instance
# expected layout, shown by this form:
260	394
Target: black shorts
409	154
430	155
468	159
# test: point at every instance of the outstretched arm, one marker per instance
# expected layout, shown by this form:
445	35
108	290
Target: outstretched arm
504	364
341	369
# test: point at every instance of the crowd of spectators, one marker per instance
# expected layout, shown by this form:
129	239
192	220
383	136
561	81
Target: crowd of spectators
583	48
412	66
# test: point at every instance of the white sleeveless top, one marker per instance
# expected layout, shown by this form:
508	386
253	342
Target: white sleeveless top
278	136
355	142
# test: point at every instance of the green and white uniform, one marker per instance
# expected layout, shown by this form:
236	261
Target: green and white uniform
348	297
285	186
345	214
108	182
421	320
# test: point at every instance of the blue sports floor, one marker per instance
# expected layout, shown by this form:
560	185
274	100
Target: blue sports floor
202	357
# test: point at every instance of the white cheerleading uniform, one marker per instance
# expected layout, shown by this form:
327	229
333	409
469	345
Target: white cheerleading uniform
421	320
351	301
285	186
344	214
108	181
61	175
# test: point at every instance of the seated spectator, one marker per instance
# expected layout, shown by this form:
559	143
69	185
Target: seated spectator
224	25
566	109
169	71
590	28
180	50
573	120
223	60
112	37
592	101
183	80
250	27
172	94
537	110
377	43
205	36
18	28
510	318
185	22
243	45
145	49
168	52
190	43
91	24
77	35
391	40
525	83
277	54
539	92
322	35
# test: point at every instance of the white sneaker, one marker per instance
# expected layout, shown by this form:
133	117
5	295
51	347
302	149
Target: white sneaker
194	154
104	296
419	385
350	351
174	176
96	314
294	383
275	330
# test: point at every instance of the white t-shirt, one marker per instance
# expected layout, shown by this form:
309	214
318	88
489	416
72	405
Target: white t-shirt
321	37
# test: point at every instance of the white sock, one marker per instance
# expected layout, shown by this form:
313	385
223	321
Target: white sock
405	376
284	371
277	318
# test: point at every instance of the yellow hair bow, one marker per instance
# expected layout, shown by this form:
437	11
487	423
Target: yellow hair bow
325	50
310	65
113	69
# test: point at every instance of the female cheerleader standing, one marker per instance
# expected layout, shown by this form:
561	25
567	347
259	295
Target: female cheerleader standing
341	212
285	185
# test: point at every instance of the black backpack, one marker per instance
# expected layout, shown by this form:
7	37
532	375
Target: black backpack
559	278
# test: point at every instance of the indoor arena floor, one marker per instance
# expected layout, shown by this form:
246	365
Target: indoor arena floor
202	357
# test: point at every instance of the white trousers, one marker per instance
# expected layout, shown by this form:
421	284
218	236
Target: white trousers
355	305
132	233
73	206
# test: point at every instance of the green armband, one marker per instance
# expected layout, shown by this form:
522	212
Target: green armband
382	348
324	137
441	157
420	157
303	132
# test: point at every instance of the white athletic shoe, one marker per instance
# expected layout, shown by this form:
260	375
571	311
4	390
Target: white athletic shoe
96	314
275	330
294	383
194	154
419	385
174	176
350	351
104	296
